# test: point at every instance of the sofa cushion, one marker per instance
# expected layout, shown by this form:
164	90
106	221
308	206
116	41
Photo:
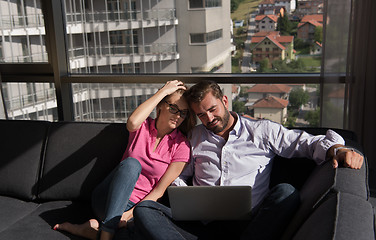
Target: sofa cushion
21	145
13	210
39	223
78	156
340	216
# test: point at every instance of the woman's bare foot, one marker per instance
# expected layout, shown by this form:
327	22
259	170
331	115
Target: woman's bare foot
88	229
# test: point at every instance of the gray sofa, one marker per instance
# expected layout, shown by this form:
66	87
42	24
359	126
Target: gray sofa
48	170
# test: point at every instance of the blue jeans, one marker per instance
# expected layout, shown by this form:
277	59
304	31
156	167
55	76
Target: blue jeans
269	220
110	199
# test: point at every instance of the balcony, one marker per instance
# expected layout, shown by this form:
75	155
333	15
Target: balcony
10	22
111	16
135	53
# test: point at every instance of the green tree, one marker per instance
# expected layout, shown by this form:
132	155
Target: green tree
290	122
313	117
238	107
297	65
284	25
264	65
318	34
235	4
297	98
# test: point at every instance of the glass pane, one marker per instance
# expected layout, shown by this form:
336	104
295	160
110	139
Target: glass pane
30	101
293	105
277	37
109	102
23	32
147	36
168	36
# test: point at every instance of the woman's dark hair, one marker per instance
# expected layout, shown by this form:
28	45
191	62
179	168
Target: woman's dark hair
190	121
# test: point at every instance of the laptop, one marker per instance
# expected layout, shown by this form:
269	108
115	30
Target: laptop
206	203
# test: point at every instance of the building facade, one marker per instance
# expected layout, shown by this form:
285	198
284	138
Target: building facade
113	36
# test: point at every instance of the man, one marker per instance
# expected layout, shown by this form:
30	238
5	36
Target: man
228	149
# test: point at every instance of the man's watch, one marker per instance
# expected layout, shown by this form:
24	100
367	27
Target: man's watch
335	151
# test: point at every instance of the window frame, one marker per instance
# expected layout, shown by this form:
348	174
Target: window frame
56	69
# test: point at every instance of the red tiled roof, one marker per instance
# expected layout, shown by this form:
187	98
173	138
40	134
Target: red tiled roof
339	93
270	16
313	22
264	34
285	39
234	88
315	17
271	102
270	88
257	39
276	42
319	44
248	116
267	2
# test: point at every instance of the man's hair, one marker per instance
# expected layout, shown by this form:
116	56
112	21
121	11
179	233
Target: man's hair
196	93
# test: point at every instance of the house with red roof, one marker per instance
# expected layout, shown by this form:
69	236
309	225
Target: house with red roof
316	48
337	97
266	23
308	25
273	46
309	7
271	108
259	91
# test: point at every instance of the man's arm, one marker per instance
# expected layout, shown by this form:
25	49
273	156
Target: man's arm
340	154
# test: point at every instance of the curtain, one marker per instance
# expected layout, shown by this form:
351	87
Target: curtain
3	113
337	19
350	51
362	80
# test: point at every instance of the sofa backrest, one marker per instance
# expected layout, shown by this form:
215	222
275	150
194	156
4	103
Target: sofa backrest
78	156
22	143
317	183
296	170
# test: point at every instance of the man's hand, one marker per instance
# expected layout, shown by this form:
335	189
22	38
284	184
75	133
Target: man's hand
347	157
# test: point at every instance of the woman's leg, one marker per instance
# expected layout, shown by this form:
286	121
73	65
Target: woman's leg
117	190
126	174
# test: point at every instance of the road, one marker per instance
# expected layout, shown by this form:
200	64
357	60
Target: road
247	53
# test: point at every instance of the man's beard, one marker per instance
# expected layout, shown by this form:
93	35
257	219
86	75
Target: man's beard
224	120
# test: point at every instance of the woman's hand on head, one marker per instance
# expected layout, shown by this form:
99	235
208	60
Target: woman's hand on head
172	86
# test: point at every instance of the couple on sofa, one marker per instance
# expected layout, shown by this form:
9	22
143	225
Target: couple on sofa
227	149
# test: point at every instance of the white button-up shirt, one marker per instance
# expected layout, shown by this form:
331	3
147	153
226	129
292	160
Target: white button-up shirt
246	157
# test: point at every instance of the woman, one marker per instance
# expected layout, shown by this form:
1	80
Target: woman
156	154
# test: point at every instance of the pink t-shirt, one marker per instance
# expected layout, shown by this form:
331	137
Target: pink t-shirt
173	147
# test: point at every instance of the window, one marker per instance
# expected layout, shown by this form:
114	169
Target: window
1	50
204	3
125	37
197	37
22	27
206	37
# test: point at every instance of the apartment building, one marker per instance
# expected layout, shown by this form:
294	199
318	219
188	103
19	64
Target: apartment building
113	36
